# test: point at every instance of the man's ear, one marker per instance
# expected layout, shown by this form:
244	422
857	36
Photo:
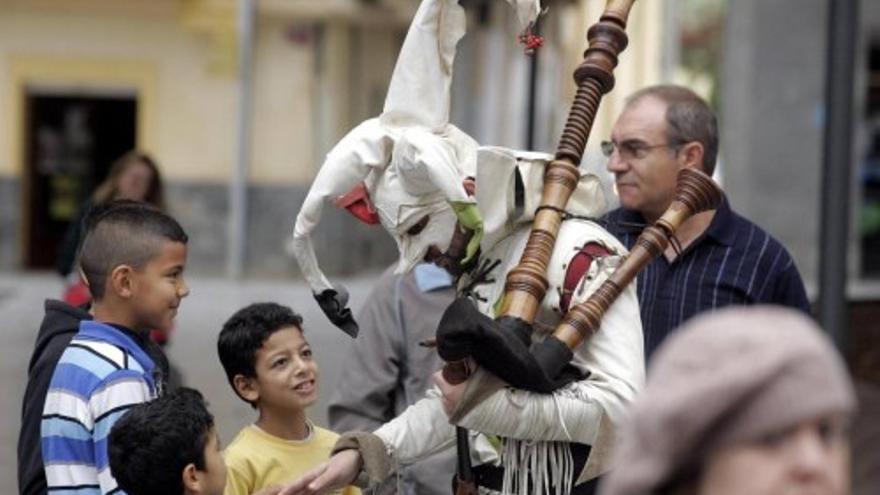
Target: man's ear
692	153
122	281
192	482
246	388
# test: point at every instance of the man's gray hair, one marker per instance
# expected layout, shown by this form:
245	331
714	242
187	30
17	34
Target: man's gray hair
688	118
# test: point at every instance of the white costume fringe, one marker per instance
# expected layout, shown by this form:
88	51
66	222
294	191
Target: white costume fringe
548	464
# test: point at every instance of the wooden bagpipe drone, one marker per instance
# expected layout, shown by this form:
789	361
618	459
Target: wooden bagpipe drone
503	346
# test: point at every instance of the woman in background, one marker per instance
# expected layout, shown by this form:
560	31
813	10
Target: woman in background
135	176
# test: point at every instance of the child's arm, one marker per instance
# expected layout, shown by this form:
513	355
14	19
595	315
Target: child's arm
64	465
236	484
240	479
120	391
79	411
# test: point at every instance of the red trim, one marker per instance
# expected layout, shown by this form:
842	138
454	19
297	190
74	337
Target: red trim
358	203
578	266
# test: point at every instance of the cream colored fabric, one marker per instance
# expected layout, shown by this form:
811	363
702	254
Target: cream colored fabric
364	151
423	429
502	167
419	92
586	412
526	11
409	173
426	173
410	158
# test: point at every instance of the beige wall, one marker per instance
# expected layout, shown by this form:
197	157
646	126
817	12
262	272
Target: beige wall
492	72
639	65
284	95
191	107
302	104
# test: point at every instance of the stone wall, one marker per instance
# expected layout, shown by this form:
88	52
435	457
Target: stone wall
771	119
773	116
344	245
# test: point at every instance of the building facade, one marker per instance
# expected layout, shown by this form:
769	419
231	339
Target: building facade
82	82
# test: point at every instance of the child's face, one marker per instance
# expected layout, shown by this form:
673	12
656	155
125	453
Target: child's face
158	287
287	374
214	475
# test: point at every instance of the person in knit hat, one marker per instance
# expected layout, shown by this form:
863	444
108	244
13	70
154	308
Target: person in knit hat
750	401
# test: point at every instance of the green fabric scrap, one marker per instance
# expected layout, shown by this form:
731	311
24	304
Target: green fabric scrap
470	218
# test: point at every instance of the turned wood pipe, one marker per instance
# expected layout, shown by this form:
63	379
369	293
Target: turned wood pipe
526	284
696	192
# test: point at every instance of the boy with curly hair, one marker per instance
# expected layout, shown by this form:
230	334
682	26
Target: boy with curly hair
270	365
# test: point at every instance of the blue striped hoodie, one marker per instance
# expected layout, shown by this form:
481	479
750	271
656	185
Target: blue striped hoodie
101	374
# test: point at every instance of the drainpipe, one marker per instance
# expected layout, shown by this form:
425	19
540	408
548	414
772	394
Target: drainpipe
532	98
238	185
837	169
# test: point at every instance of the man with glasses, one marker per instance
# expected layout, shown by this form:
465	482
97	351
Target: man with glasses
721	258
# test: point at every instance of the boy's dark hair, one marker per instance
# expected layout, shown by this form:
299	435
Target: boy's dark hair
153	442
244	333
123	232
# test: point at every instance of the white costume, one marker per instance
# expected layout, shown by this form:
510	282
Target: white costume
413	164
587	411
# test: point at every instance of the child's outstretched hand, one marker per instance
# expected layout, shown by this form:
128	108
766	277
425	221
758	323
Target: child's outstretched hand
334	474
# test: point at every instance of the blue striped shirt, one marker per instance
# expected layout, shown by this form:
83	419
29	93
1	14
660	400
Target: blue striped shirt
101	374
733	262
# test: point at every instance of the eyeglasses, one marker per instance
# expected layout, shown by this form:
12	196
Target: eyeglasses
632	148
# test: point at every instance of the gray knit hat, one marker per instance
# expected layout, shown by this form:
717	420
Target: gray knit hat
724	378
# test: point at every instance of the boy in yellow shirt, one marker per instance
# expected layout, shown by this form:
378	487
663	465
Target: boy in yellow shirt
270	365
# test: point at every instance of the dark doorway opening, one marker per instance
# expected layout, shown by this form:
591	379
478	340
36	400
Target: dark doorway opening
71	142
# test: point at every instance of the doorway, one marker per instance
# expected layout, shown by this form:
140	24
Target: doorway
71	140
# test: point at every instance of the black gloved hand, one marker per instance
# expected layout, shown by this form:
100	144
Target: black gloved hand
333	303
503	347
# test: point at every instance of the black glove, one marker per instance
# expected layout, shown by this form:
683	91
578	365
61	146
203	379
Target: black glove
333	303
503	347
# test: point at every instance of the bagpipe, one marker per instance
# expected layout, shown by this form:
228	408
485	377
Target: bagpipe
503	345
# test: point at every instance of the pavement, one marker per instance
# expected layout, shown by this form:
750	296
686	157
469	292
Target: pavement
193	348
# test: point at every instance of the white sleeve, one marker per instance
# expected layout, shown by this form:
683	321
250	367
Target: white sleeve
616	366
366	147
419	431
588	411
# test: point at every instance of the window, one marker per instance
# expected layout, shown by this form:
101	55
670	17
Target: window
869	172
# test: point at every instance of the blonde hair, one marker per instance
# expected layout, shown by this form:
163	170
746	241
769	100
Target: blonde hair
108	189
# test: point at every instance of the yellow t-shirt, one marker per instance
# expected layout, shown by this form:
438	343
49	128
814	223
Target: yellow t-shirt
256	459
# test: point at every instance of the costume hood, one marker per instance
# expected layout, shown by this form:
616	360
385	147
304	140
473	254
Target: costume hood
407	164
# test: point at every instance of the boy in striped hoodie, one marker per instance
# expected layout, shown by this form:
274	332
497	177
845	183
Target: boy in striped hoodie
132	257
